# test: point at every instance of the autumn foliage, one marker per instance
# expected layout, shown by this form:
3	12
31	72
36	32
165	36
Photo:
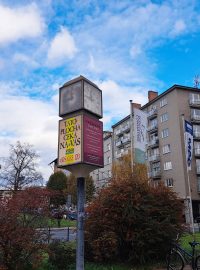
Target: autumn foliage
130	220
21	240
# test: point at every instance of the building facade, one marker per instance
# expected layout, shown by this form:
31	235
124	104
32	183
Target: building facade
166	147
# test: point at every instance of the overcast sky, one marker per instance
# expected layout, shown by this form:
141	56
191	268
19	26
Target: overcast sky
126	47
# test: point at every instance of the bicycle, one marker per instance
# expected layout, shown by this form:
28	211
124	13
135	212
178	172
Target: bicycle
179	257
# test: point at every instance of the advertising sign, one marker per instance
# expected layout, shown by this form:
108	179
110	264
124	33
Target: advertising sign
188	143
69	148
140	129
80	141
93	141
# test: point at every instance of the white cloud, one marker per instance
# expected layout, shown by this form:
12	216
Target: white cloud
19	23
116	100
32	121
22	58
179	28
62	47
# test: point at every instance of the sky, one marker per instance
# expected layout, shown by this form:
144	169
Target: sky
126	47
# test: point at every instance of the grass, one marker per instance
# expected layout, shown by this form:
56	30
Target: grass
92	266
63	223
186	238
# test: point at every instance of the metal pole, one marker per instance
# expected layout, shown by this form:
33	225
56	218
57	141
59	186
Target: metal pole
80	223
189	188
131	133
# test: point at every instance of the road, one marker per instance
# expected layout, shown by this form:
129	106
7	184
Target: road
63	234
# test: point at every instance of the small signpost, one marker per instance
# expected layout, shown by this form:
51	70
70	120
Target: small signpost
80	141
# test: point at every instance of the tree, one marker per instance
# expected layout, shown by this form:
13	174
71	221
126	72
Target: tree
19	169
130	219
72	188
58	182
21	242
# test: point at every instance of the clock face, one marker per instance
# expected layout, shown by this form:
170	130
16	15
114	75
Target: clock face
92	99
70	98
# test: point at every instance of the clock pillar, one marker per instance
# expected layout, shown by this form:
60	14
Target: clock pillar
80	143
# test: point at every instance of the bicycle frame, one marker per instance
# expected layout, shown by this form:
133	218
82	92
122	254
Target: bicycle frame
188	258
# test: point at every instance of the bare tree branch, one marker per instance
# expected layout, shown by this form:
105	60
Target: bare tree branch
19	169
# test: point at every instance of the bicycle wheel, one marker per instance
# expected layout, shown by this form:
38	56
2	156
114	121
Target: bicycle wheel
197	263
175	261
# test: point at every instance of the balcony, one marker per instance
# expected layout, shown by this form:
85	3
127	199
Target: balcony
118	143
126	128
119	132
119	155
126	140
154	158
197	152
152	128
151	114
154	174
194	102
153	143
198	169
195	118
196	135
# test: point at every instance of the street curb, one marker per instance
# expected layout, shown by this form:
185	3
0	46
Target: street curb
57	228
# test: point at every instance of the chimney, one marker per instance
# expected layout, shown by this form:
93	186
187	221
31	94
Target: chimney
136	105
152	95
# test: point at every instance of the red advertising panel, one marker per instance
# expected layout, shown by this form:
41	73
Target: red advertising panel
92	141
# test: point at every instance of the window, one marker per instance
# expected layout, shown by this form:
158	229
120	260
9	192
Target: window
166	149
154	152
194	97
164	117
165	133
198	183
163	102
197	148
108	160
198	165
195	114
167	166
169	182
156	166
108	146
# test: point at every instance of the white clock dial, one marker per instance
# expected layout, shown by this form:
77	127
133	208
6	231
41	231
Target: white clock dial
70	98
92	98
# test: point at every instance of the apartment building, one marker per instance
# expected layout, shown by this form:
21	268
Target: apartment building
102	176
122	135
166	149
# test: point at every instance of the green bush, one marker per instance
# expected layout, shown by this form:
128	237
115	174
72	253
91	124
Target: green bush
132	221
62	255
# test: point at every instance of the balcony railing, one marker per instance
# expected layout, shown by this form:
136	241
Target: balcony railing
152	127
154	157
152	113
197	151
155	174
126	128
196	135
119	131
126	140
194	102
153	142
195	118
118	143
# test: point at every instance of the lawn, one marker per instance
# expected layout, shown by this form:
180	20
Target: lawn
188	237
64	223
